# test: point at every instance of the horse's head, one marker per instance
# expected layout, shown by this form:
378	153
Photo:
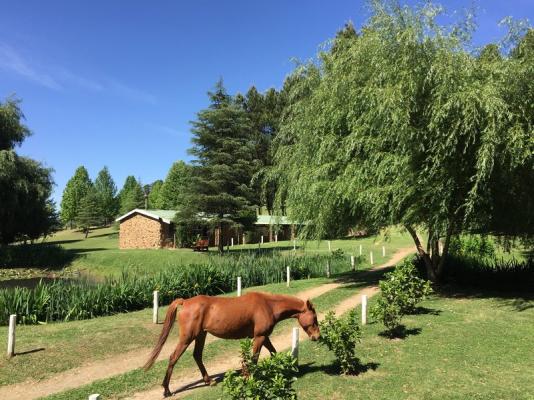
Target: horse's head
308	321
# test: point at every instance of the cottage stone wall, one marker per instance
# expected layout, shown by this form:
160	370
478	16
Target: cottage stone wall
140	232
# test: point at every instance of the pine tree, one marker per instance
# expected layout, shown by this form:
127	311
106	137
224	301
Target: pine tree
225	163
176	185
106	190
89	211
131	195
76	189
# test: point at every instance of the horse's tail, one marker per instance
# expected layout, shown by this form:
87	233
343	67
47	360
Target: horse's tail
167	326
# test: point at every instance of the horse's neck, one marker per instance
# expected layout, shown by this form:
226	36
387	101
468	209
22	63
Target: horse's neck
285	307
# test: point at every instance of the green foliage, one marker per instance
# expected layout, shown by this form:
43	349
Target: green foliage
341	336
26	210
65	301
131	195
270	378
155	200
483	272
176	186
75	190
89	211
38	255
400	292
400	123
338	253
107	190
12	131
472	246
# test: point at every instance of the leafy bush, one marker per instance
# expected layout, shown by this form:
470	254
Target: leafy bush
65	301
270	378
338	254
496	274
400	292
472	246
39	255
341	335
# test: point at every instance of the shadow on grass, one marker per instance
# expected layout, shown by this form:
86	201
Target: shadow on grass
21	353
425	311
334	369
519	300
357	279
217	378
257	251
400	332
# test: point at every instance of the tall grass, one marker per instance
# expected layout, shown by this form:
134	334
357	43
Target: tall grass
64	301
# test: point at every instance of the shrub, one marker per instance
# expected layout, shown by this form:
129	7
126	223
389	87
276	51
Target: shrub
400	292
476	246
341	335
496	274
270	378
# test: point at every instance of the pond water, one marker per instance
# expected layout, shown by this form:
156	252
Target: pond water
29	283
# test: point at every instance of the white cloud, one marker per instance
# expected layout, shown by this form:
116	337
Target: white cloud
10	60
59	78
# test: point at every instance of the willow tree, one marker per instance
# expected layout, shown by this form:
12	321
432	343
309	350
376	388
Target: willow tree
399	123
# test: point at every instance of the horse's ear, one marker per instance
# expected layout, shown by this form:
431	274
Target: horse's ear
309	305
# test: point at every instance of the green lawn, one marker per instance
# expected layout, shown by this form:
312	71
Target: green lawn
465	347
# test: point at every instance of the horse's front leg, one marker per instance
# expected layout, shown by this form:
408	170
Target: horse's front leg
256	347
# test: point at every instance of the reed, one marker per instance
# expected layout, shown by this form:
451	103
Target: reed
66	301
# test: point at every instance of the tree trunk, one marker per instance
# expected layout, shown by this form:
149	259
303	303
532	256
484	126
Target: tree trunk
220	245
430	271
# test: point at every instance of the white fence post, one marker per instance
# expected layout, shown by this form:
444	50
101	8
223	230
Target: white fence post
364	309
294	245
383	251
288	275
360	249
94	397
155	307
238	286
295	344
352	264
232	241
261	239
276	238
328	269
371	257
11	335
329	246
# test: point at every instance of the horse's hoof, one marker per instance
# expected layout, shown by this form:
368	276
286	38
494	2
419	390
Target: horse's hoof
212	382
167	393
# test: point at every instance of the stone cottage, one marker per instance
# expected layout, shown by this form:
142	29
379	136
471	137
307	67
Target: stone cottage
145	229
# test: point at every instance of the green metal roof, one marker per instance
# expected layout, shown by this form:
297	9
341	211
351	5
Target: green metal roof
165	214
273	220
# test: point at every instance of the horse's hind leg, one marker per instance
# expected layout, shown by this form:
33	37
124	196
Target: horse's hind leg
176	354
197	355
267	343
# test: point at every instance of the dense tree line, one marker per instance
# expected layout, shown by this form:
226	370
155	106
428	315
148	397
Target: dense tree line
26	209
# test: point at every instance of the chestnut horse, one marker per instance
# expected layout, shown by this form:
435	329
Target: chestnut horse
252	315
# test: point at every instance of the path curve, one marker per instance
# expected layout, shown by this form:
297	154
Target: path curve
134	359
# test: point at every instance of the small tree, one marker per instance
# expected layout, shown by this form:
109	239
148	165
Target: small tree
176	186
341	335
155	200
270	378
400	292
89	213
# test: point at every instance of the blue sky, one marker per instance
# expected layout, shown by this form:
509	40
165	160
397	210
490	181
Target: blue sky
116	82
